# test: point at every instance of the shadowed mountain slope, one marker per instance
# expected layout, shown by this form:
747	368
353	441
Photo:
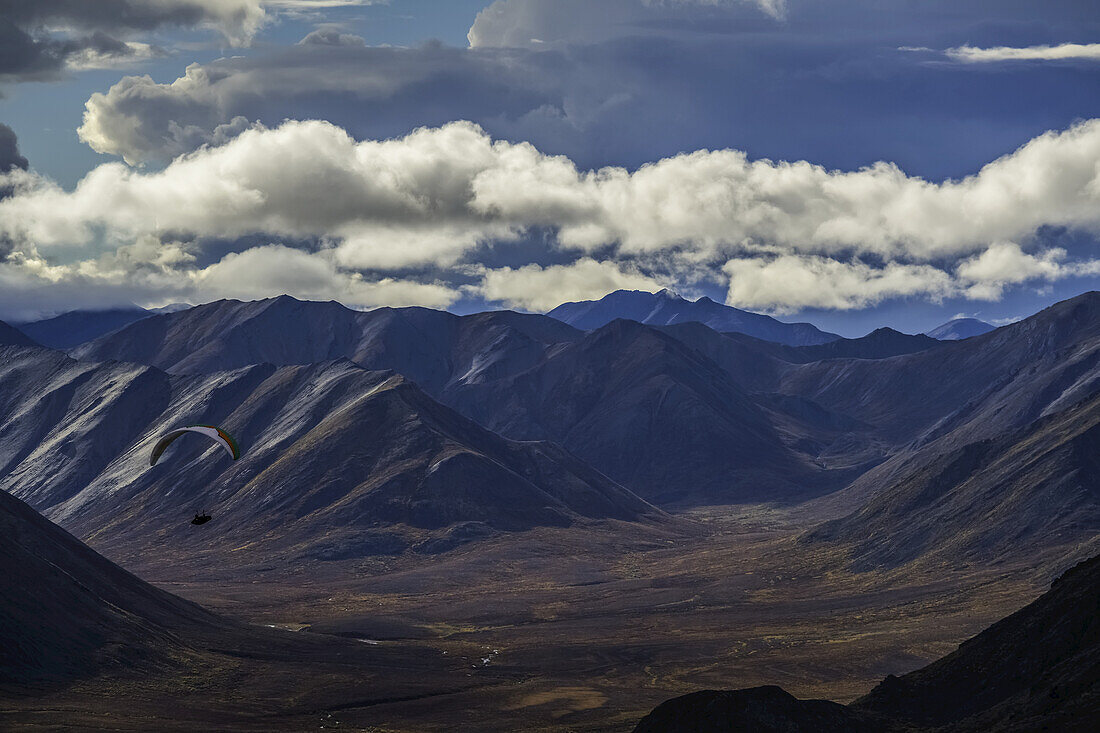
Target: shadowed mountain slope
76	327
12	336
1038	669
338	461
1031	488
666	308
960	328
649	411
1002	380
881	343
67	612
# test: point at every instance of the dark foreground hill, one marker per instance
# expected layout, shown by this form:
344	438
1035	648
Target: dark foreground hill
1038	669
67	612
85	645
338	461
667	308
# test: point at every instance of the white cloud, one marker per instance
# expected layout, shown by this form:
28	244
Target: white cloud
985	276
1062	52
533	287
92	58
790	282
714	202
262	271
787	235
152	273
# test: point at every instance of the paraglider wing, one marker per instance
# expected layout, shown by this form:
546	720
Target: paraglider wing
219	436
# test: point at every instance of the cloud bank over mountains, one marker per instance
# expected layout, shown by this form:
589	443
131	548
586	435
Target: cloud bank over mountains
794	154
305	208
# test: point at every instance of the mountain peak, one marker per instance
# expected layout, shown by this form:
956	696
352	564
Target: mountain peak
665	308
960	328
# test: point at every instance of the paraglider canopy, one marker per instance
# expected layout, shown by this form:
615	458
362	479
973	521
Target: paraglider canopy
213	432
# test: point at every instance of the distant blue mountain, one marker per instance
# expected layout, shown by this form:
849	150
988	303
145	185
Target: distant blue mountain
666	308
960	328
76	327
12	336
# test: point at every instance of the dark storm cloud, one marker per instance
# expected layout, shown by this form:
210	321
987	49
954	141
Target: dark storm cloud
10	160
9	150
38	38
829	84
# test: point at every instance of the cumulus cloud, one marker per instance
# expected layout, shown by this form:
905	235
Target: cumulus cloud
1062	52
352	217
142	120
538	288
790	282
455	177
104	52
154	273
261	271
986	275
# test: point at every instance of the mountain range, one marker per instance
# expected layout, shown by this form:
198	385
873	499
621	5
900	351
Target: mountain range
884	427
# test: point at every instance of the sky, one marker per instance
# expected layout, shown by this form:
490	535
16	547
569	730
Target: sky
853	163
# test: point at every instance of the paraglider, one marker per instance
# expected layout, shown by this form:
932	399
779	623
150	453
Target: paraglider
219	436
222	438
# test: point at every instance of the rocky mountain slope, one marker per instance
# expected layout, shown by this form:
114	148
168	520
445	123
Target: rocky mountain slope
338	461
988	500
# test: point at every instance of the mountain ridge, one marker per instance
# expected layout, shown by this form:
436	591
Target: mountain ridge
666	308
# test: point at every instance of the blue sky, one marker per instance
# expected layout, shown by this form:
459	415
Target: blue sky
852	163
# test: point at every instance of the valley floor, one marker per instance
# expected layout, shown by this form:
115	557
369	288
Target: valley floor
580	629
